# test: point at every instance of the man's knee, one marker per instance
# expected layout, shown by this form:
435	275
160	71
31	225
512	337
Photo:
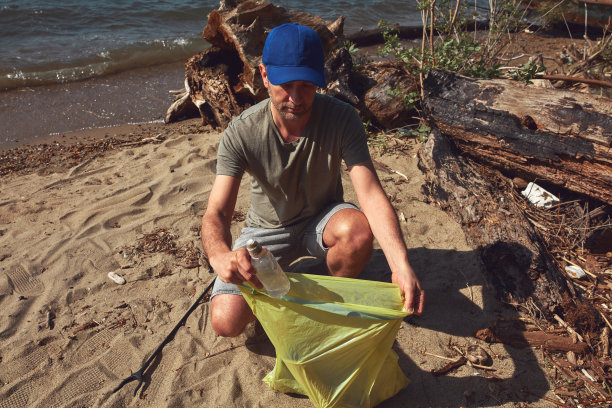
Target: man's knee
363	236
351	229
229	315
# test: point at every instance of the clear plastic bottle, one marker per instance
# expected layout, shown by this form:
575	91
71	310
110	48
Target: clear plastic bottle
269	272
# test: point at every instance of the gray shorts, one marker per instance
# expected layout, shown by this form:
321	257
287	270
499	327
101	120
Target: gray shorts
286	243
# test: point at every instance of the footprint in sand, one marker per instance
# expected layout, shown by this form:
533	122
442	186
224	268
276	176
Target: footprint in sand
94	347
28	360
24	283
77	389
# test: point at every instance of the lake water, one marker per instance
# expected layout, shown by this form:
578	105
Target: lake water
77	64
52	41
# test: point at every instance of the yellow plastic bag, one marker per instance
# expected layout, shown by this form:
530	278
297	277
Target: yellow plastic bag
333	339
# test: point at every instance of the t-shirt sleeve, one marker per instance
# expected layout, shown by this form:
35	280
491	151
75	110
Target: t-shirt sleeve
355	142
230	155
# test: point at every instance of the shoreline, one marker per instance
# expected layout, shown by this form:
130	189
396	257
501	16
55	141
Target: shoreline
40	114
113	105
34	114
130	106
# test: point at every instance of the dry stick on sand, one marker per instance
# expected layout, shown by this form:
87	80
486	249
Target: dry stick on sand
458	360
605	341
568	328
605	318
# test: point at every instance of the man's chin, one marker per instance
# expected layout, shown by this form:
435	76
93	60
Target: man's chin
292	115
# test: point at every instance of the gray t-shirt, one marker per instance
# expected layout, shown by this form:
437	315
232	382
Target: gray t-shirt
292	181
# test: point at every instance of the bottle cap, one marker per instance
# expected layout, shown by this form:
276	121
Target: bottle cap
253	247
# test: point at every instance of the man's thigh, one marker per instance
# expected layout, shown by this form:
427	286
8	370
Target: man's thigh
287	243
312	238
283	242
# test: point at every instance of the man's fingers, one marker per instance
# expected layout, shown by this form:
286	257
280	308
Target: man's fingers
414	301
421	302
256	282
245	269
409	300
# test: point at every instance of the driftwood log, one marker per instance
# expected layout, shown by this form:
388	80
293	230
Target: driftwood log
224	79
487	130
517	263
376	102
373	36
552	136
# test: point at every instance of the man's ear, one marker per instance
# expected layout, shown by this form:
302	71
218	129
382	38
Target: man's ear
264	74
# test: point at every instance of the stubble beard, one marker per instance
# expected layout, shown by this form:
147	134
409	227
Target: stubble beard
282	109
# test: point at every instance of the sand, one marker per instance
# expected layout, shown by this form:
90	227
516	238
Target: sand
69	334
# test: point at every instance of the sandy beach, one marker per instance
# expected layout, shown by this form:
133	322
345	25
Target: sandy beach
129	199
69	334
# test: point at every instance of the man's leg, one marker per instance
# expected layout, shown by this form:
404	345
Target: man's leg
340	235
229	314
349	238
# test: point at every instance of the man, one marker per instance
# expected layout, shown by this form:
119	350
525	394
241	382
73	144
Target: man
292	145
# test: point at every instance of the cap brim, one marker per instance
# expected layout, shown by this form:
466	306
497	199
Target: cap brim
278	75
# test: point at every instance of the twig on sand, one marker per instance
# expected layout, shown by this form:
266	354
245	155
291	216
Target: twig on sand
86	326
449	366
456	361
438	356
567	327
145	140
605	318
223	351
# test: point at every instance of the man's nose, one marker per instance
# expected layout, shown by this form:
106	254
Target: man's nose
295	93
295	97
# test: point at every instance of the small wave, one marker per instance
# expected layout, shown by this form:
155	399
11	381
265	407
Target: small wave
106	62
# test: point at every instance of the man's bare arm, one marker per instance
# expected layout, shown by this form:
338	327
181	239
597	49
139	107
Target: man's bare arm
230	266
385	227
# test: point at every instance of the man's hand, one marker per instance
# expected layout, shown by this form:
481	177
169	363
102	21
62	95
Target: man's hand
386	229
235	267
414	295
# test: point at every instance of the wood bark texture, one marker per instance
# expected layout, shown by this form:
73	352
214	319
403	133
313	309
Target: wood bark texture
558	137
522	339
378	103
517	263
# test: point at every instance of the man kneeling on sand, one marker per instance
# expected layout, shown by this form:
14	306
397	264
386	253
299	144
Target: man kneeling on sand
292	145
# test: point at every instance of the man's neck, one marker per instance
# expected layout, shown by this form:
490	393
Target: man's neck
290	130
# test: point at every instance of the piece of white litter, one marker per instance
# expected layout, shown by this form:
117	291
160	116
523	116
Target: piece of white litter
589	376
116	278
403	175
538	196
575	272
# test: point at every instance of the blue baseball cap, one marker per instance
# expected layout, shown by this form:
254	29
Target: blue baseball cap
294	52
